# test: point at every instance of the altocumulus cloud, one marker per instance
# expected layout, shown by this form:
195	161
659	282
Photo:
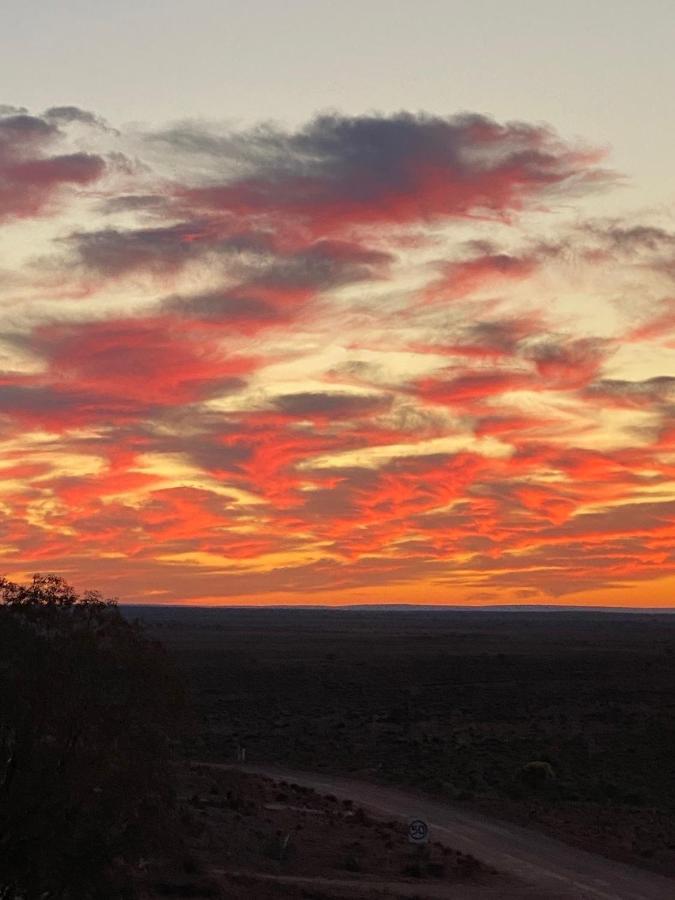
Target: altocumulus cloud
337	359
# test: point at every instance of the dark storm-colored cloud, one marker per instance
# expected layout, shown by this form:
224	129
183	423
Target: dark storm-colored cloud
280	283
308	404
649	391
227	307
568	362
630	239
31	174
32	399
57	407
70	114
326	264
338	171
135	203
115	252
646	246
630	519
20	131
60	404
316	266
502	337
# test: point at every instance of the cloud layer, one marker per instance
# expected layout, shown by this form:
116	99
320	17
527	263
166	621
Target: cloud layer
376	358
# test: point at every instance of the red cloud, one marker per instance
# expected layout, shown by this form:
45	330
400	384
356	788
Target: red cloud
152	361
118	371
489	338
462	278
467	389
658	326
29	177
507	425
339	172
331	472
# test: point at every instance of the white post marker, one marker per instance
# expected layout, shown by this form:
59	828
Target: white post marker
418	831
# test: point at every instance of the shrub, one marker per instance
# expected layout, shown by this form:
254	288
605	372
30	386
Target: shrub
351	863
537	774
87	707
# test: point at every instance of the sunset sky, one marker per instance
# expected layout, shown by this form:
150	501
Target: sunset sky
339	303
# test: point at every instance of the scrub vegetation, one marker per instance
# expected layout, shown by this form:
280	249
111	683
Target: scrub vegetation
562	721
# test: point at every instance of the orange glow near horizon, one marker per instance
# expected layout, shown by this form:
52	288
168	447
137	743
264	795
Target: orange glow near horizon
377	359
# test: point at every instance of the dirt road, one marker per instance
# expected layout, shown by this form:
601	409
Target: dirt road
533	858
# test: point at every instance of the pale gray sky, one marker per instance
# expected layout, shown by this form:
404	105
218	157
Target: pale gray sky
600	69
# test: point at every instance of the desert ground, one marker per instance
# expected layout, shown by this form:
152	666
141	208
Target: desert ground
559	721
252	836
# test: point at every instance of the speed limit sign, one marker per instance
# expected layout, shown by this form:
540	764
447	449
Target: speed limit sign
418	831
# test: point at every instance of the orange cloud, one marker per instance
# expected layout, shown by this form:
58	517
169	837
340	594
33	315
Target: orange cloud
256	381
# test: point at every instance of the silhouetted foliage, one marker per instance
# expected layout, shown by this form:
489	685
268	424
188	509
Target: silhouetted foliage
87	706
537	773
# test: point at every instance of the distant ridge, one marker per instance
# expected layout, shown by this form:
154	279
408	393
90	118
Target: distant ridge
406	607
514	607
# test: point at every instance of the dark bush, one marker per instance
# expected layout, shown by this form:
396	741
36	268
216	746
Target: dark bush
351	863
537	774
87	707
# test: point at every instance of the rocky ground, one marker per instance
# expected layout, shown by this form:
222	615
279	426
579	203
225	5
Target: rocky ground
246	836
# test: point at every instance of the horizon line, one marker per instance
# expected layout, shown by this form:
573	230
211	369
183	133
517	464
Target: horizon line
420	607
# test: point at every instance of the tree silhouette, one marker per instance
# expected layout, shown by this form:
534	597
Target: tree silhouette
87	706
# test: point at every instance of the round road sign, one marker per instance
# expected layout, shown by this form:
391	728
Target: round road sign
418	831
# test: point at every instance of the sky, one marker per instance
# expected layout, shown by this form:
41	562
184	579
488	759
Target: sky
339	303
